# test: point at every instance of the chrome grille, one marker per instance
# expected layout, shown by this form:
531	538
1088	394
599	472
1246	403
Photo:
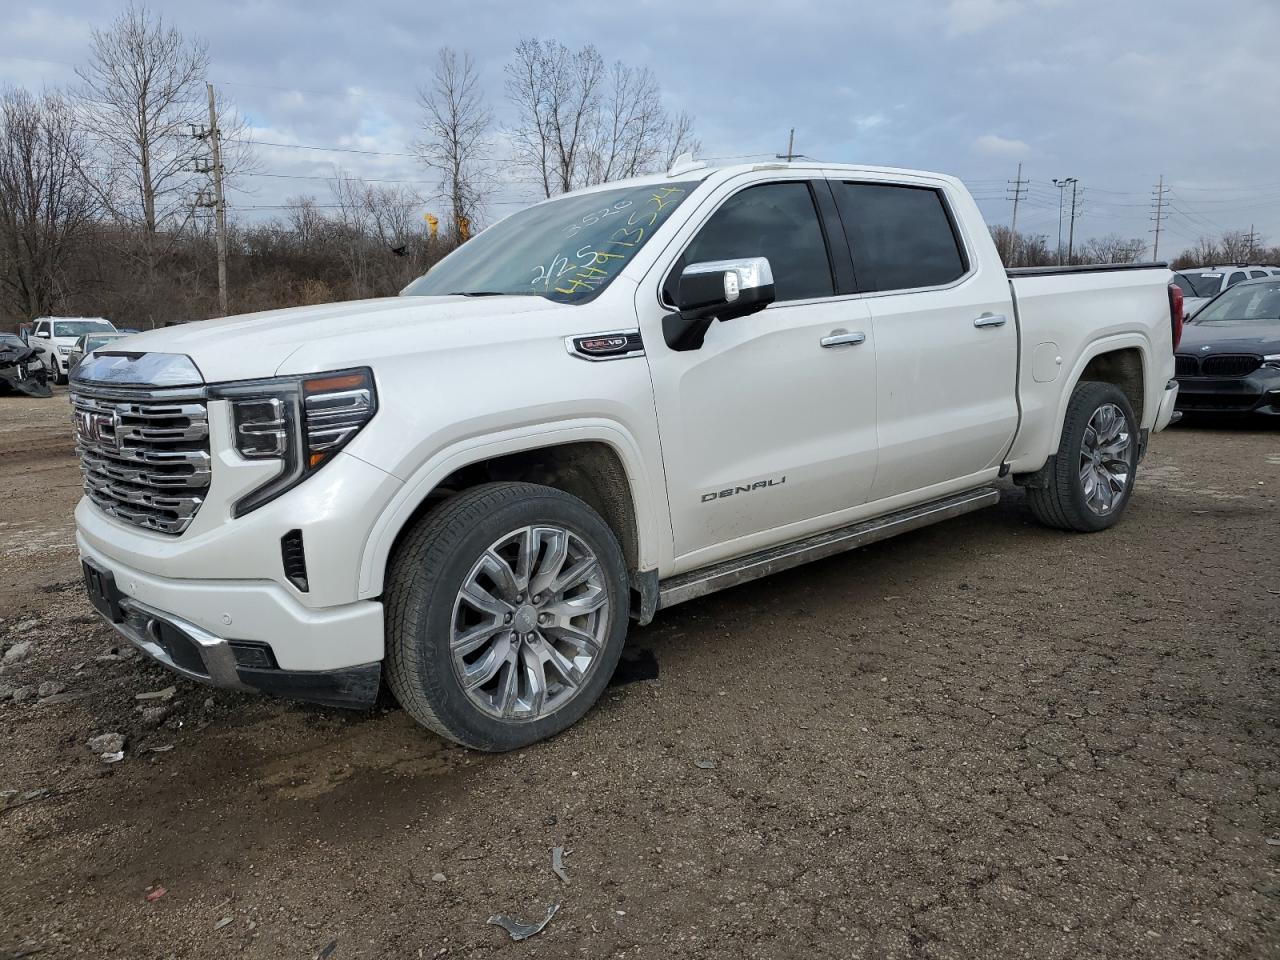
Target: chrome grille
145	459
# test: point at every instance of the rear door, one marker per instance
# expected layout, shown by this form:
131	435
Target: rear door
946	337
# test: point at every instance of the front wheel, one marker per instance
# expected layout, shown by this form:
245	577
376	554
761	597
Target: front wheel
1090	481
506	613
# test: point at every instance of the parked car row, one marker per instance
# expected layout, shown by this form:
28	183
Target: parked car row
49	349
1202	284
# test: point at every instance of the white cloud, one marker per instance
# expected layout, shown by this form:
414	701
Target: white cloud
972	16
993	145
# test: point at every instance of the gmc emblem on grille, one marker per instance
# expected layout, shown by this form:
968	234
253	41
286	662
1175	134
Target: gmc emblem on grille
99	428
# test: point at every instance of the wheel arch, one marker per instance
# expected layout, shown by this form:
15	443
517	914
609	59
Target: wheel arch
1124	361
600	464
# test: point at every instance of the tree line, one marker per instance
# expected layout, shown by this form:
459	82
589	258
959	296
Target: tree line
105	189
103	184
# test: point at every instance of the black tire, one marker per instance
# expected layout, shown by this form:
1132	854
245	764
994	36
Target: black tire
426	571
1060	501
59	378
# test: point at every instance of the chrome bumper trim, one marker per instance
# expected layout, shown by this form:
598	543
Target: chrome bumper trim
215	653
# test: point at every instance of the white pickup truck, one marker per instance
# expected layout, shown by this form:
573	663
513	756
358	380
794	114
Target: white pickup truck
608	403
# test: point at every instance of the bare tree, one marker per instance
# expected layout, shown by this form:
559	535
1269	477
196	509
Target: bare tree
140	95
556	93
1113	248
578	123
680	138
1022	249
376	230
1236	246
44	202
455	126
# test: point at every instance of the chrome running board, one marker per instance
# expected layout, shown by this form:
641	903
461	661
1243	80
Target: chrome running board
730	573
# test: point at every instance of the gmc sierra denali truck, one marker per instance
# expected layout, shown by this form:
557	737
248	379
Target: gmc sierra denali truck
608	403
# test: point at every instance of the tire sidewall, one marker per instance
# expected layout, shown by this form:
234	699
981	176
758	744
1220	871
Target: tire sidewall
443	688
1084	405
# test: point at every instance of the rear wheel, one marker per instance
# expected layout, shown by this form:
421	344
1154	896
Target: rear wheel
506	614
1090	481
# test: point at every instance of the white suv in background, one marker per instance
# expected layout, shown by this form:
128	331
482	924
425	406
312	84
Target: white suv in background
54	337
1201	284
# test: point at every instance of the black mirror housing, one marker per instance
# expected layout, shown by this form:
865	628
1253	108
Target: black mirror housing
719	289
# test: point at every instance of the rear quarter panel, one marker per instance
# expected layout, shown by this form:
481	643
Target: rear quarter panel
1065	321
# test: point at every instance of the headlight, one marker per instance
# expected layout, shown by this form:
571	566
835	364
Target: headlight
1272	361
64	349
300	421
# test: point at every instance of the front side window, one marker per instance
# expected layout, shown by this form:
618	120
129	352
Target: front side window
901	237
778	221
1237	277
567	250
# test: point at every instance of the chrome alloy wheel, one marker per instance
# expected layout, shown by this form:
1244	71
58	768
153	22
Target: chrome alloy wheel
529	623
1105	459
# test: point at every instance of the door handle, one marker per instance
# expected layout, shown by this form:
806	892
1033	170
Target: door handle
991	320
843	338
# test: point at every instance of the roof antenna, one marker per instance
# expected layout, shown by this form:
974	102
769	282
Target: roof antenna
684	163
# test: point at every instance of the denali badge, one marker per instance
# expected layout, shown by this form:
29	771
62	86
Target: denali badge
745	488
612	345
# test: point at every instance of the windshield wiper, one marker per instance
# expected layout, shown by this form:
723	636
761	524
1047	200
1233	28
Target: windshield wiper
483	293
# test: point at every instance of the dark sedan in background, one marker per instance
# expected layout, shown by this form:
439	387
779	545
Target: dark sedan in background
1229	357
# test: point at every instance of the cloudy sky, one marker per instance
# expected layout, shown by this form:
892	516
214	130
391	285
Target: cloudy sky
1112	92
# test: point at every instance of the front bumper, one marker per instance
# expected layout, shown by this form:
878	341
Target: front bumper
241	634
1259	392
198	655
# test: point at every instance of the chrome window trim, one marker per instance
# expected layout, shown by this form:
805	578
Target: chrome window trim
942	189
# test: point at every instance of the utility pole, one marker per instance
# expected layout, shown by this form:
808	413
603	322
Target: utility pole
1158	202
1062	186
791	148
219	204
1075	212
1019	188
1252	240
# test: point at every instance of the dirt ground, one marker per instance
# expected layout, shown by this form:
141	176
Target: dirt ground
984	739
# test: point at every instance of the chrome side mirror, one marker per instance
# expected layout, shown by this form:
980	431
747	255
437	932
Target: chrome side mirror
725	288
716	290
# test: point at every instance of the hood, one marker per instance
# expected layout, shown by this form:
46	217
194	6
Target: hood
331	336
1244	336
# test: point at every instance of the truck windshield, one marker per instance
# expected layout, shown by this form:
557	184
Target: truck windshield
1243	302
566	250
78	328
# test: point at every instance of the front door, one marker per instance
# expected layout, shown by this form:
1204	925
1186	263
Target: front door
764	428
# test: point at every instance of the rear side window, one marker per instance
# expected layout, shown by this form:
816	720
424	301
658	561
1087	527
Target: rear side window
774	220
1255	274
901	237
